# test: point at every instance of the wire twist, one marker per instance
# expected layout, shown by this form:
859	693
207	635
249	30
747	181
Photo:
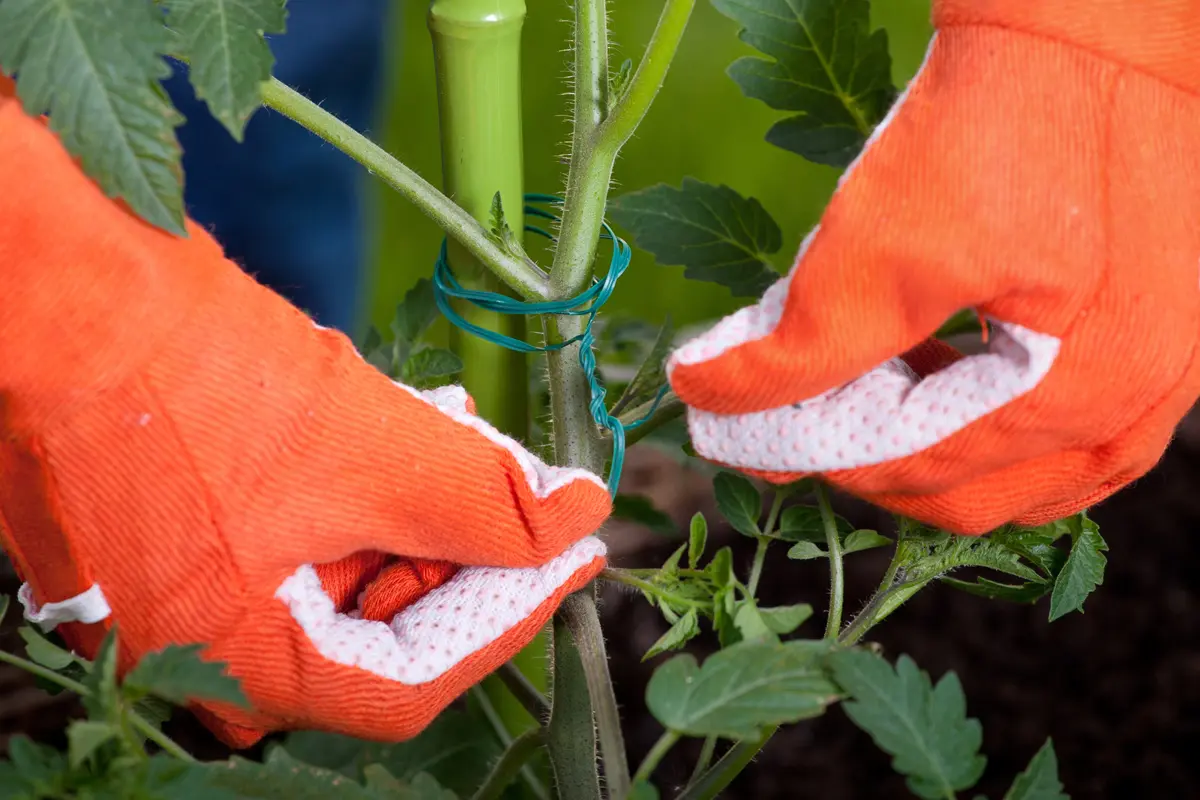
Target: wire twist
588	304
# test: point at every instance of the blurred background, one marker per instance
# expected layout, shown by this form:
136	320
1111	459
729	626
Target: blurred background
1118	688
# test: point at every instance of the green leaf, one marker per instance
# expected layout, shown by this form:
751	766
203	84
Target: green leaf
751	625
40	770
652	374
804	551
643	791
697	539
946	553
741	689
825	63
456	749
1083	572
42	651
84	736
101	680
924	727
413	317
430	364
804	524
785	619
1040	780
738	501
1035	545
720	569
993	590
94	66
685	628
177	673
227	54
281	777
864	540
636	508
618	82
713	232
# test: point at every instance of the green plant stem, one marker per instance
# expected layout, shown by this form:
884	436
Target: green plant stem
669	408
140	724
650	762
764	542
720	775
616	575
706	753
632	106
570	733
518	273
523	689
837	578
510	764
502	733
579	613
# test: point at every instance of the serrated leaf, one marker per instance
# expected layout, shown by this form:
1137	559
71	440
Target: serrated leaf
993	590
751	625
430	364
924	727
864	540
85	736
228	57
652	374
785	619
713	232
413	317
954	552
42	651
804	524
280	777
741	689
824	63
94	66
1084	571
804	551
101	680
636	508
1040	780
697	539
41	770
178	674
739	502
456	749
685	628
1035	545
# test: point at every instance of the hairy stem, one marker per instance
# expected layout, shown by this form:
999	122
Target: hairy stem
579	613
615	575
511	762
571	733
650	762
837	578
764	542
730	765
523	278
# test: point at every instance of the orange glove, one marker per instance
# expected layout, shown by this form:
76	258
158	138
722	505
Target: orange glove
184	453
1043	170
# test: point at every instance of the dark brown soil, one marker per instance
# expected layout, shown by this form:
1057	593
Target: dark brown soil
1118	688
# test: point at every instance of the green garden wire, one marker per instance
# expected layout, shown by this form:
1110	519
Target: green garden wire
587	304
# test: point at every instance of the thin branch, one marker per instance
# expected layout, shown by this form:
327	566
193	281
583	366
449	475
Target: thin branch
506	739
519	274
652	759
837	578
526	693
730	765
631	108
510	764
669	408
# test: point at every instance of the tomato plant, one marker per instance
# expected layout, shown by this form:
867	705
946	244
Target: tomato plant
822	66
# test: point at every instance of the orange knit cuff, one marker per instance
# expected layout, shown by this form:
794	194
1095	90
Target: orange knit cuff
1154	36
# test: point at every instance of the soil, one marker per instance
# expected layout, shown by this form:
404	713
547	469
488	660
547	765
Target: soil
1118	688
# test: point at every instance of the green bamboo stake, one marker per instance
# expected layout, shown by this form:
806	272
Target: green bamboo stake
477	53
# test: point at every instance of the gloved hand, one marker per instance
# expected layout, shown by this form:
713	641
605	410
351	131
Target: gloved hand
185	454
1041	169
